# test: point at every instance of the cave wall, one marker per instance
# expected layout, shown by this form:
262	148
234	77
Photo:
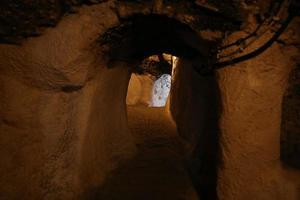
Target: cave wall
252	94
106	142
53	86
192	95
63	112
194	106
140	90
290	125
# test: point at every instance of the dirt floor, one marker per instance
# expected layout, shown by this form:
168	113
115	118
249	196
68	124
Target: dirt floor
157	172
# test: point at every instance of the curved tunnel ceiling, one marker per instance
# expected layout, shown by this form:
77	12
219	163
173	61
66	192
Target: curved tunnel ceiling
144	35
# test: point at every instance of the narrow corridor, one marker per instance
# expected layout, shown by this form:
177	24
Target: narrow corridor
157	172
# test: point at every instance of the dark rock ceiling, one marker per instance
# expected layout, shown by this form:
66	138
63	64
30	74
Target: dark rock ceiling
25	18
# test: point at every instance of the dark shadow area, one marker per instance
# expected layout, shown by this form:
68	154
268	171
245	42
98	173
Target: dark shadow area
290	124
195	106
143	35
202	164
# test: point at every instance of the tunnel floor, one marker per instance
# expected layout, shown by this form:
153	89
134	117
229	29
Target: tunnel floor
157	172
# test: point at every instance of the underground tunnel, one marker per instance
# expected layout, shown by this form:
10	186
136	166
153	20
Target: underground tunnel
154	99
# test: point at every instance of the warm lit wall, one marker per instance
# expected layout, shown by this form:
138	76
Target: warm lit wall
148	90
140	90
106	140
252	94
62	112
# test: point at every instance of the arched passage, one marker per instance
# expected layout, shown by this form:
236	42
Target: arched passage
194	103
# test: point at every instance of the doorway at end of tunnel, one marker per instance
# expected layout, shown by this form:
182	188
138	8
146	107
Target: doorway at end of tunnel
151	80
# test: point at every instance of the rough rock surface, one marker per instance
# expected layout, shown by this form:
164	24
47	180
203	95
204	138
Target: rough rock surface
26	18
63	116
251	94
